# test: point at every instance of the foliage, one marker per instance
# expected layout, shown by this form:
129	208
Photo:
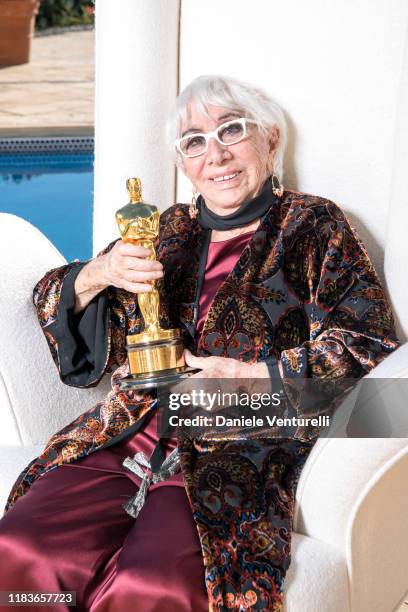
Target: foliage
64	13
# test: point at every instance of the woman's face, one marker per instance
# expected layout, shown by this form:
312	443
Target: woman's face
246	162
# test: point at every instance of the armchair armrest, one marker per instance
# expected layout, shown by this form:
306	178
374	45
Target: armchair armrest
377	539
34	403
352	495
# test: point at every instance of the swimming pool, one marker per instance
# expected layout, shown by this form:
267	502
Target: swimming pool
49	182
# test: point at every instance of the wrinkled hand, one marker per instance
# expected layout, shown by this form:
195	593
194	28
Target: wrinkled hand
126	266
233	377
225	367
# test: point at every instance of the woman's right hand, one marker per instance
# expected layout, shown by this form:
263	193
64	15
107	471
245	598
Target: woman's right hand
126	266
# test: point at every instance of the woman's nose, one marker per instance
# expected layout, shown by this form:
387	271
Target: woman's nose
216	151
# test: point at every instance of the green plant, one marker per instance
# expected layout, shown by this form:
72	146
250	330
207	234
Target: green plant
63	13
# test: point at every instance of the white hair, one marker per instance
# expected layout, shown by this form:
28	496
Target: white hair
233	94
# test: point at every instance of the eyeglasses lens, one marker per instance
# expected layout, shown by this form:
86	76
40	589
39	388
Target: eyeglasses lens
196	144
193	145
231	133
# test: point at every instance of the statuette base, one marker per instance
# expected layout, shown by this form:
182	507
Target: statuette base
156	380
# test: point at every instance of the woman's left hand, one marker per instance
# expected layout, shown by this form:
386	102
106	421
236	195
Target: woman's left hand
225	367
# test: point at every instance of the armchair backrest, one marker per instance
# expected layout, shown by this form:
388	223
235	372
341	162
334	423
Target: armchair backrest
396	251
338	75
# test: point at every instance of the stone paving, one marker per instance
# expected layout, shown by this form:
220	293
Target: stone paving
54	93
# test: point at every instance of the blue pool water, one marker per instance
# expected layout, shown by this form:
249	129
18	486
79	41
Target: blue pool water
54	192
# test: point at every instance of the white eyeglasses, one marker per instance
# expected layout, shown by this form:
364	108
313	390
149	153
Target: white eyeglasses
228	133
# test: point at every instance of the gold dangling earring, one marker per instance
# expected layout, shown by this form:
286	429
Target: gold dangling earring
277	187
192	209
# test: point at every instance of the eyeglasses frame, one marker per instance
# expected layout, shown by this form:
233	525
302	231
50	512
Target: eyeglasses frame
214	134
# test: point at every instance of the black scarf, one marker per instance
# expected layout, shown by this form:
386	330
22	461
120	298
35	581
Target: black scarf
246	213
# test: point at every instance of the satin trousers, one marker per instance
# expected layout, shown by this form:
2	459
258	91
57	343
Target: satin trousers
69	532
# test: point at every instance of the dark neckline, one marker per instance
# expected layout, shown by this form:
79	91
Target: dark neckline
254	208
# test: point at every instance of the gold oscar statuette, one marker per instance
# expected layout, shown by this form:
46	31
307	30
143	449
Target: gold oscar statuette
156	354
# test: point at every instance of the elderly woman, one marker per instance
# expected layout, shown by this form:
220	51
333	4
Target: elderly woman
263	282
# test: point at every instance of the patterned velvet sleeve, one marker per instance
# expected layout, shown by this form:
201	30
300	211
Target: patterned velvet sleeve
86	345
351	326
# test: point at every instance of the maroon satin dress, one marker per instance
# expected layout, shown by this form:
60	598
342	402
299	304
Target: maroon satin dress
69	532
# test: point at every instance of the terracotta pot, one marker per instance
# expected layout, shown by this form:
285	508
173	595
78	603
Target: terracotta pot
16	30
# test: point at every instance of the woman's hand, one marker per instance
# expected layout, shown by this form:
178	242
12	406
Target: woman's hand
126	266
225	367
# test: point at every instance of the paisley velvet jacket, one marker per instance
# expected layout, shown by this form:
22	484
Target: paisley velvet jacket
303	297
